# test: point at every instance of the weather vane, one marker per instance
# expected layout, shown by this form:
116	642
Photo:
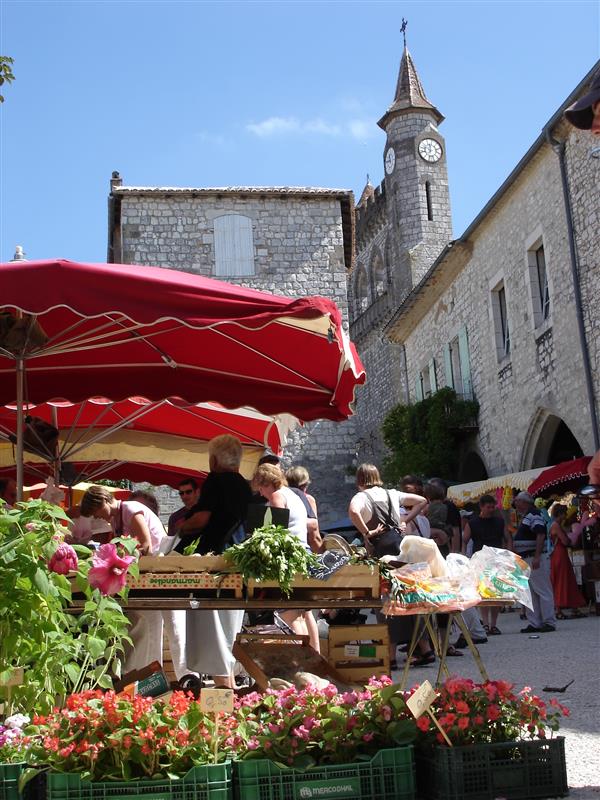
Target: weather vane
403	29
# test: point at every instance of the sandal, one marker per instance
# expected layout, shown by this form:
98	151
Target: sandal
575	614
495	631
452	651
423	660
560	615
486	628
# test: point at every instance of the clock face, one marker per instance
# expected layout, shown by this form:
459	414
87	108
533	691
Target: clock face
430	150
390	161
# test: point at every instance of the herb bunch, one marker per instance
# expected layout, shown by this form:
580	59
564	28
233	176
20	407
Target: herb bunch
272	553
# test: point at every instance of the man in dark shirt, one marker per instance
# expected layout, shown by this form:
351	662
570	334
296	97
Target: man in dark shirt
530	542
452	515
486	529
189	492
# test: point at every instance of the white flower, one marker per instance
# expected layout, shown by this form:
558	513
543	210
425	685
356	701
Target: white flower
16	721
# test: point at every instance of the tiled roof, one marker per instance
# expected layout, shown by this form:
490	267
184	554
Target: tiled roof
409	92
209	190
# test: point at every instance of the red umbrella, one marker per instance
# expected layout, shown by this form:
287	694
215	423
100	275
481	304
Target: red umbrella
73	331
561	478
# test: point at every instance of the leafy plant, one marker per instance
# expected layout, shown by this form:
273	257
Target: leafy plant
58	652
6	73
424	437
272	553
473	713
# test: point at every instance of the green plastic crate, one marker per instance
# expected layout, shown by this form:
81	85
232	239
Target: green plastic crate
387	776
211	782
510	770
9	781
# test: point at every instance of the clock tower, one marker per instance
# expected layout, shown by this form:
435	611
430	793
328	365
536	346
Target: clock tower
416	180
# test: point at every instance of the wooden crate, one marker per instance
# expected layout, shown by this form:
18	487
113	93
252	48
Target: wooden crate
205	581
352	579
179	563
280	656
357	668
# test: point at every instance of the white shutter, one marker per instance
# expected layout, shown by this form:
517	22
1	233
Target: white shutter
465	363
448	366
234	245
432	378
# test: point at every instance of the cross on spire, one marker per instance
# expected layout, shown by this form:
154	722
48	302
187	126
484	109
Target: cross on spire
403	29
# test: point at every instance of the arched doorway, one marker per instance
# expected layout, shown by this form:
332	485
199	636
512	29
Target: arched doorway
549	441
473	468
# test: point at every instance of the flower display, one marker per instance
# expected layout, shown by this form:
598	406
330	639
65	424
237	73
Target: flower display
64	560
109	570
473	713
12	744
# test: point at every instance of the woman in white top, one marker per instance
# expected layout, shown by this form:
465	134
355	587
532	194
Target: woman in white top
137	520
370	491
271	483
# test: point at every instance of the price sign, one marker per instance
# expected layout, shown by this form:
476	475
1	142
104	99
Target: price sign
421	699
418	704
213	701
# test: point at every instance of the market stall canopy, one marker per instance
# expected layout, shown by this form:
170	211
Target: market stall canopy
464	492
569	476
37	489
79	330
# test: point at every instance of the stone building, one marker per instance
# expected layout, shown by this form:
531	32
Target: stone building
401	228
506	313
290	241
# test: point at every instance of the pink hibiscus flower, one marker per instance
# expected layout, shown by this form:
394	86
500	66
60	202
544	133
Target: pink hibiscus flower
64	560
109	572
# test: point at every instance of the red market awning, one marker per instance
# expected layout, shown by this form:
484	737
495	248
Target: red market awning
80	330
569	476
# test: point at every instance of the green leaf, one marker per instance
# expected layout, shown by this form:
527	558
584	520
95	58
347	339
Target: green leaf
94	646
41	582
73	672
105	682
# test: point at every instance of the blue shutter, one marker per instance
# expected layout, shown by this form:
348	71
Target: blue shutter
448	366
465	363
418	389
234	245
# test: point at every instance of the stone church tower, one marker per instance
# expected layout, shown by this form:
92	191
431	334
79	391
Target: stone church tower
401	228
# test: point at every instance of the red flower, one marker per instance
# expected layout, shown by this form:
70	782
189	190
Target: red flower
463	723
64	560
493	713
109	572
462	707
423	723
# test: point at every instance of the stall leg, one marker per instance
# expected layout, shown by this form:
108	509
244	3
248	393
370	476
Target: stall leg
457	616
411	649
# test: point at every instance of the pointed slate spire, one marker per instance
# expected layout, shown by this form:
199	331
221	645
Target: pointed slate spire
409	93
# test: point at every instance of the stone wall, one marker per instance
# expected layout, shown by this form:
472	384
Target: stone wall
299	251
543	372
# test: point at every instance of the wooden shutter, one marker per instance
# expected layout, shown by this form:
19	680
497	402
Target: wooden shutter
418	389
448	367
234	245
432	378
465	363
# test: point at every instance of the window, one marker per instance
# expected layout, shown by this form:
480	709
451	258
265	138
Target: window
428	198
458	365
234	245
426	381
501	327
362	290
540	291
379	275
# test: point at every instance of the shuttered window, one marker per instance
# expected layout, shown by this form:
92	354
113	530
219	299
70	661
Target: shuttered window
234	245
458	365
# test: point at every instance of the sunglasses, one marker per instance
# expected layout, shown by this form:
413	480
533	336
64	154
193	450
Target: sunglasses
183	492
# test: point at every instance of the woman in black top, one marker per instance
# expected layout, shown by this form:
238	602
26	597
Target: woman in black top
486	529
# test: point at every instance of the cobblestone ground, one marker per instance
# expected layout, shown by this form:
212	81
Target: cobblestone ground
573	652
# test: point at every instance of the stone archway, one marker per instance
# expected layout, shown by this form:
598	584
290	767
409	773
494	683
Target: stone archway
549	441
472	468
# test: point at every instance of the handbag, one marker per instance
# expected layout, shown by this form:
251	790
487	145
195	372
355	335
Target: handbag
386	543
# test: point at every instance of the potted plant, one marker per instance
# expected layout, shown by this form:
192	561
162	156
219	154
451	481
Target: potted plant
12	755
118	744
324	743
502	744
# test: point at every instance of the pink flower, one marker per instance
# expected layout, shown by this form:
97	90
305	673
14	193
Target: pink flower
368	737
64	560
386	713
109	572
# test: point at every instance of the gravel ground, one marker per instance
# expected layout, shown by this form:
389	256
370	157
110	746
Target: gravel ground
573	652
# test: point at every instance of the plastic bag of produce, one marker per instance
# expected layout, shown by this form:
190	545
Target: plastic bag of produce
415	550
501	574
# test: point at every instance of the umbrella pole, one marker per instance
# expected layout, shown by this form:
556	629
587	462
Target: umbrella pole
20	432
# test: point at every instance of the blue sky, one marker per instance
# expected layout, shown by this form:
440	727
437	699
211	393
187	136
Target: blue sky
280	93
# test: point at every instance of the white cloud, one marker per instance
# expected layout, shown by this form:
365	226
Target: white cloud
362	128
358	128
274	126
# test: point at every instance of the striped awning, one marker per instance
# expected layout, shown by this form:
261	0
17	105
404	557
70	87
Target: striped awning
464	492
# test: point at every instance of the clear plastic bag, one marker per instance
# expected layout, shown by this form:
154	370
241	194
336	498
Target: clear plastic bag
415	590
502	575
416	549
